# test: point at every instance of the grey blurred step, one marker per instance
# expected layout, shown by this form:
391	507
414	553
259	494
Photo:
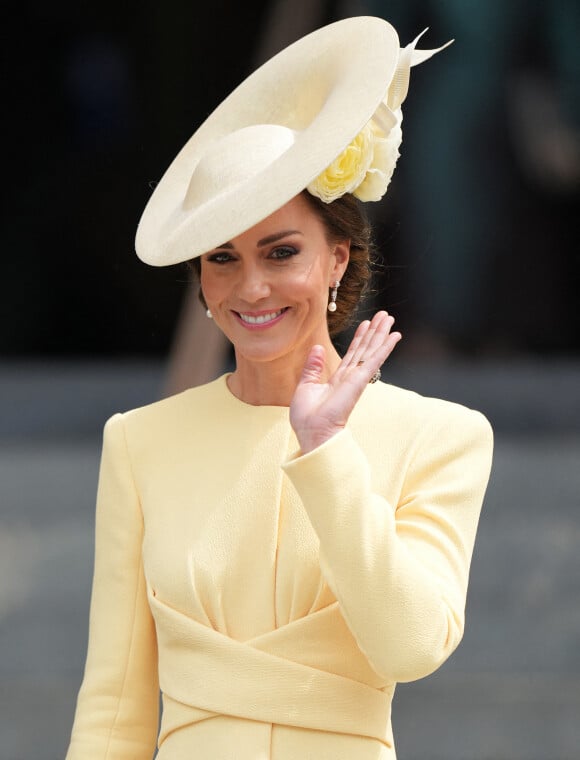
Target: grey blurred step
56	399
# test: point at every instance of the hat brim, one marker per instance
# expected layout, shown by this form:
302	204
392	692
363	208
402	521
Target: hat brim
325	87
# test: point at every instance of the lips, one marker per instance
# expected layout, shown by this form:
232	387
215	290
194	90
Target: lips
260	319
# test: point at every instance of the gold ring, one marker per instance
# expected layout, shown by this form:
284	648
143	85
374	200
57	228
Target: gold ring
360	362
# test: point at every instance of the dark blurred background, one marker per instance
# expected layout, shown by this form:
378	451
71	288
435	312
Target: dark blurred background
478	230
98	99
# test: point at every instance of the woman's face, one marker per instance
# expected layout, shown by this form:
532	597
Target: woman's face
267	289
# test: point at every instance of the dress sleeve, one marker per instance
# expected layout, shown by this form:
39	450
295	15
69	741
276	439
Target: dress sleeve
117	709
400	571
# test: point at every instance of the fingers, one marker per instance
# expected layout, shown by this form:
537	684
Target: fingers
372	343
373	338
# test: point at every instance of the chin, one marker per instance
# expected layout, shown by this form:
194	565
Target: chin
264	354
264	348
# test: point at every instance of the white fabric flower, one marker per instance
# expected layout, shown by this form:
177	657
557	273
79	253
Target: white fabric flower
380	171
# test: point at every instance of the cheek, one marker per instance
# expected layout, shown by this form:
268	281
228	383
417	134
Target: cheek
306	299
308	284
212	287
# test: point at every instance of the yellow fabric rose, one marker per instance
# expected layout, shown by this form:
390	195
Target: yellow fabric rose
364	168
347	171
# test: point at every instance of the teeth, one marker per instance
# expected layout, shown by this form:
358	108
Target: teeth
260	319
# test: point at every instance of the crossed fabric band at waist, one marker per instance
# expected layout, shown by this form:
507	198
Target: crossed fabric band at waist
295	675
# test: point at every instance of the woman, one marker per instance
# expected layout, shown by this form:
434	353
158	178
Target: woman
276	549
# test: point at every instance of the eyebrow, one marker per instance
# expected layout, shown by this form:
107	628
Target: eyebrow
268	240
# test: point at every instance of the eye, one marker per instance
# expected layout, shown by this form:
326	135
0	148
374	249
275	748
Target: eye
283	252
219	257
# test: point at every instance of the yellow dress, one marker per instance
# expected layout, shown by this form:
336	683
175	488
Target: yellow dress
274	598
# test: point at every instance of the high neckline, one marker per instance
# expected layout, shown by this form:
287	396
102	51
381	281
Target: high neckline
222	382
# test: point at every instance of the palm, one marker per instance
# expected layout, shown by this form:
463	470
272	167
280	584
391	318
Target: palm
320	410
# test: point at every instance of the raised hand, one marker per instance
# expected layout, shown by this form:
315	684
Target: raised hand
320	410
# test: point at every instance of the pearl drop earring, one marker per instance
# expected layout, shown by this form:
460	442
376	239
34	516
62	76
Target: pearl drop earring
333	294
208	314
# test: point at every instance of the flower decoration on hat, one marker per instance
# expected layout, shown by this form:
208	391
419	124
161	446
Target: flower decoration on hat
367	164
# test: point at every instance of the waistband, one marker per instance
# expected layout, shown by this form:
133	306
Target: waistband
308	674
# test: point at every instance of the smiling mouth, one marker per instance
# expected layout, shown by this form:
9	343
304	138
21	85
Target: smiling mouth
261	319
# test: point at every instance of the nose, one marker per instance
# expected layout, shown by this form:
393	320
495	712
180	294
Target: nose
253	284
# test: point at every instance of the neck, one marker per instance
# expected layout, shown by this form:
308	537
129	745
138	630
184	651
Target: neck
272	383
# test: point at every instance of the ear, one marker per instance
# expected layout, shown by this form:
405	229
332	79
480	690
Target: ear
340	259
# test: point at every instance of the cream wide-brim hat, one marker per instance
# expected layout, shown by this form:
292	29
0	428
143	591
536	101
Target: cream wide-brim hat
274	135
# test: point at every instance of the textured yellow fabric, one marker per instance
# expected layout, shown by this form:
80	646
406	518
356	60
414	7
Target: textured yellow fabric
275	598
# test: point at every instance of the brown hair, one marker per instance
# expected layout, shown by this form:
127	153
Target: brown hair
343	219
